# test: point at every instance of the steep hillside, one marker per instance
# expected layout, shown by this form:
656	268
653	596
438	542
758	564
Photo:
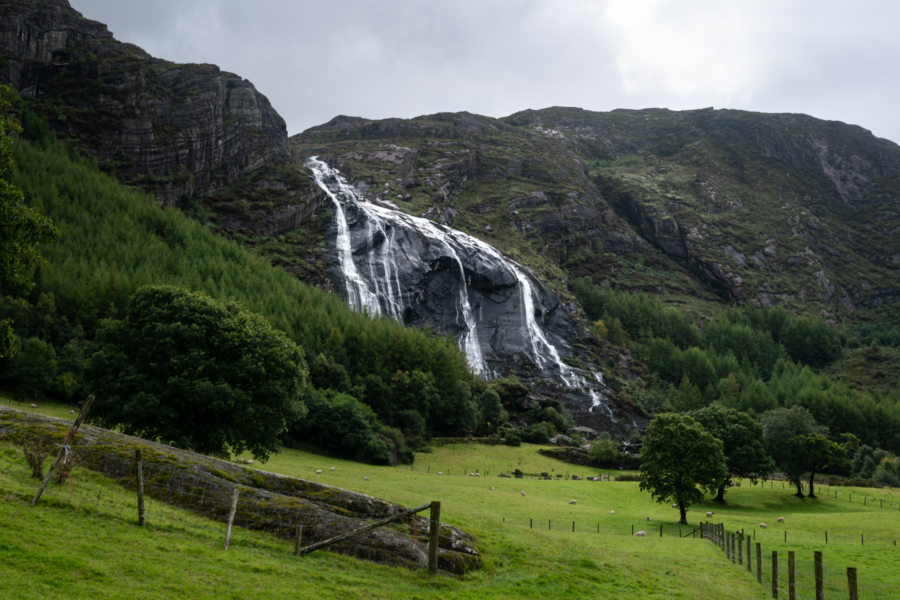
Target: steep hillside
753	208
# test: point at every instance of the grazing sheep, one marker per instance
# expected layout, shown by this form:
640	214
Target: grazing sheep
71	412
366	477
523	492
332	468
640	534
648	518
709	513
612	512
440	472
781	519
762	525
493	488
33	405
318	471
674	506
572	502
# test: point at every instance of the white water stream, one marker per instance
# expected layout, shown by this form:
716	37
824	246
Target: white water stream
372	275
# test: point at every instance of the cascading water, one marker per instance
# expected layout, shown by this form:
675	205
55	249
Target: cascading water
415	270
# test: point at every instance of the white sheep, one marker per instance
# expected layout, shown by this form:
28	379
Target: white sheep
762	525
572	501
674	506
493	488
318	471
709	513
640	534
33	405
440	472
612	512
781	519
332	468
523	492
366	477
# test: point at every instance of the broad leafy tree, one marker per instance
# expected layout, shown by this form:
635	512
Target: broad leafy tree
197	373
745	455
679	460
784	432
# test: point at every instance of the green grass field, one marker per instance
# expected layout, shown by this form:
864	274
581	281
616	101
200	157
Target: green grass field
82	540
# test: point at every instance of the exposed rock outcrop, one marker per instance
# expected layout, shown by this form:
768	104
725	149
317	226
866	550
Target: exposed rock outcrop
269	502
178	130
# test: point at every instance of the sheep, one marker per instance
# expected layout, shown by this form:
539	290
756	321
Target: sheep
572	501
612	512
781	519
523	492
762	525
332	468
640	534
318	471
493	488
440	472
649	518
709	513
366	477
33	405
675	506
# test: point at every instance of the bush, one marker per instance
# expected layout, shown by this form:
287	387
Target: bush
604	450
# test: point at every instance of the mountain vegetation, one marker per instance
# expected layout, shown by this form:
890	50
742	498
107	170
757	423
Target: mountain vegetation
705	257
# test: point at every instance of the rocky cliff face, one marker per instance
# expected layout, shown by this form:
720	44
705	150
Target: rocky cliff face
177	130
713	204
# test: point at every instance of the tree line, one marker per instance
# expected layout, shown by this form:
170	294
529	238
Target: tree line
750	359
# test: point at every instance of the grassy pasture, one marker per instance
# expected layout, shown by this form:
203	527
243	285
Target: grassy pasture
82	541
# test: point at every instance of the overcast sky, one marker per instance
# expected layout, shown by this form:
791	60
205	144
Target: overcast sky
832	59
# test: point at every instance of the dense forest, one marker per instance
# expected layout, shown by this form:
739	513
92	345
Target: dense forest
750	359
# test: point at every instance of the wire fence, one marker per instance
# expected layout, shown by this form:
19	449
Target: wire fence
787	575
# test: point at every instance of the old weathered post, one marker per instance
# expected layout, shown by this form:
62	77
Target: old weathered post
749	566
758	562
65	450
434	533
774	573
740	549
728	545
792	593
231	513
851	583
820	579
298	539
139	460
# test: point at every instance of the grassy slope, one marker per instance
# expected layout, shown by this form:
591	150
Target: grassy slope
83	538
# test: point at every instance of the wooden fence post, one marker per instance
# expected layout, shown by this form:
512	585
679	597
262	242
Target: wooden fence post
774	573
298	539
792	592
434	532
820	579
740	548
65	450
728	545
749	566
758	562
231	513
851	583
139	459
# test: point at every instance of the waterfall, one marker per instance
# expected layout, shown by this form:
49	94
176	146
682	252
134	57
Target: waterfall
388	259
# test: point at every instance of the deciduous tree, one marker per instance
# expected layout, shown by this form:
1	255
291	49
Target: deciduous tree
741	436
679	458
197	373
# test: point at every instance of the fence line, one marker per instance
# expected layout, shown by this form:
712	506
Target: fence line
792	577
